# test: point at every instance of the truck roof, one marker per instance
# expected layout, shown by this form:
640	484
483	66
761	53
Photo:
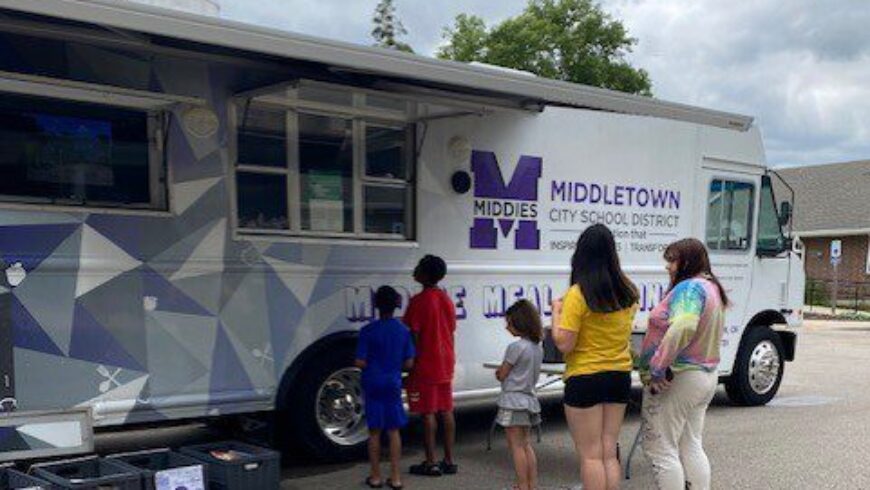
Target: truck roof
447	75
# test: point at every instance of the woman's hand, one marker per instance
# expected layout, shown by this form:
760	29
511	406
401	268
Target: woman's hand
556	308
661	385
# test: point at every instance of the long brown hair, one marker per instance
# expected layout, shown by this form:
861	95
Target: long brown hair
595	269
692	260
523	317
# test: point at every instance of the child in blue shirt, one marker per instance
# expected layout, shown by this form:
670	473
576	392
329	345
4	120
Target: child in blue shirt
385	348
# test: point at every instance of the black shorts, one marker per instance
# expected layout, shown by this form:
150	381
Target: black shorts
588	390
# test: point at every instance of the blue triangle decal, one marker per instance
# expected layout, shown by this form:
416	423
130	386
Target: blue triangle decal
27	332
285	313
31	244
227	372
169	297
92	342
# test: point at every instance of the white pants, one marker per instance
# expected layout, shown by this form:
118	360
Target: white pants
673	425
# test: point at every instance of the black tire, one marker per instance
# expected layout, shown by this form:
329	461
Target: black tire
742	385
298	425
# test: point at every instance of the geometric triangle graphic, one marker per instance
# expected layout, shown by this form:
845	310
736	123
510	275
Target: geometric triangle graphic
101	260
31	244
196	334
27	332
300	279
285	313
93	342
54	435
203	258
173	257
227	372
11	440
49	294
170	365
128	392
169	297
186	193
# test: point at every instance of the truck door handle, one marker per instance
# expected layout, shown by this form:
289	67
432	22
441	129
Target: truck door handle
7	381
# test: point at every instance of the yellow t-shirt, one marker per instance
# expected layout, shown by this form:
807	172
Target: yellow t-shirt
603	339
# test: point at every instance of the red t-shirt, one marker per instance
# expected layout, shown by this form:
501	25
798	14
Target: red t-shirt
432	317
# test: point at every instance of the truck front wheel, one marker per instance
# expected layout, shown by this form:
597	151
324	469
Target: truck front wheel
758	368
325	411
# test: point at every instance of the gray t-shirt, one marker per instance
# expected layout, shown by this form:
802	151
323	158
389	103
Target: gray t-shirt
518	388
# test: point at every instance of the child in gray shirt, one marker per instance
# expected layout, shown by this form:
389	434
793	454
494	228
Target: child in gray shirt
518	406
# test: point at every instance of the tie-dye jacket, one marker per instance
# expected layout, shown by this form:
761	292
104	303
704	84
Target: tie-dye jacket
685	330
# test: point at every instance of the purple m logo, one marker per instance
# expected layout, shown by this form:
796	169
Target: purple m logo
510	203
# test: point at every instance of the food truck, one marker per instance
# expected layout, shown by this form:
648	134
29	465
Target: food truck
195	212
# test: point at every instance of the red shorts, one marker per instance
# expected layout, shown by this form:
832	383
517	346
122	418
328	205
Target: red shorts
425	398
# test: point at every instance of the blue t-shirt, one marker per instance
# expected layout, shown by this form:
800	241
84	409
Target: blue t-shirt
384	345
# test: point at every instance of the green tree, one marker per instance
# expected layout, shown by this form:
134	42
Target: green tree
388	28
571	40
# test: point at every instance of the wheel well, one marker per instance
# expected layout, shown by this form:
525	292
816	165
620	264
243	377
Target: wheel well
769	318
322	346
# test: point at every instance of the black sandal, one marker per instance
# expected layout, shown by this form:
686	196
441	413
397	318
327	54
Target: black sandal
393	486
426	469
371	484
448	468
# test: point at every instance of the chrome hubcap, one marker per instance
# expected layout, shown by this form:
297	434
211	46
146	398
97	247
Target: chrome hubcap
340	408
763	367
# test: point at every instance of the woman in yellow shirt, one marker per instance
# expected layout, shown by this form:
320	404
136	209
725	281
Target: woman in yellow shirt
592	327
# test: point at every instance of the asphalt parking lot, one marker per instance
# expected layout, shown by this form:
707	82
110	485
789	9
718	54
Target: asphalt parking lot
814	435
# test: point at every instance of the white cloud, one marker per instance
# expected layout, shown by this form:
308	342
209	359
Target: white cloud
801	67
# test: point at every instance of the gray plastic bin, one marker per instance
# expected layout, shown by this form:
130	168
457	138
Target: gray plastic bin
11	479
91	473
150	463
255	467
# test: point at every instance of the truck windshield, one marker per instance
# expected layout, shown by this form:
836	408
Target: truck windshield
770	237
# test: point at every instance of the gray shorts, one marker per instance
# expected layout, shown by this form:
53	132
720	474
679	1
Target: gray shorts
517	418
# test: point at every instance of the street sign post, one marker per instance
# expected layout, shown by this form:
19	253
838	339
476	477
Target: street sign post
836	257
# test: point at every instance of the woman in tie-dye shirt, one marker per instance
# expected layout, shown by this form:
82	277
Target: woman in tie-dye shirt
678	361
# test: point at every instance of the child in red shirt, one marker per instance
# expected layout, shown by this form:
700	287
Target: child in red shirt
431	316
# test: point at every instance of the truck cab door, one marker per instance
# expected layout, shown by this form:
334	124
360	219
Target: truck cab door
728	207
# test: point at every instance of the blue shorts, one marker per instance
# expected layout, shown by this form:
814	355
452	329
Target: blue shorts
383	406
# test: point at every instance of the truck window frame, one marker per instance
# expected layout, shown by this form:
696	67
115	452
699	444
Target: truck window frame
361	116
159	172
750	218
767	190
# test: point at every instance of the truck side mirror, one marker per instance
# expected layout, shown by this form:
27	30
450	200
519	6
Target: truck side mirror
785	212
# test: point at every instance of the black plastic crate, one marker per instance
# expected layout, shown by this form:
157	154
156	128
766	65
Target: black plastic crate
151	463
252	466
91	473
15	480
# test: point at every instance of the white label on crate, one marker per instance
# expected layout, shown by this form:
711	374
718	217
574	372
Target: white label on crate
184	478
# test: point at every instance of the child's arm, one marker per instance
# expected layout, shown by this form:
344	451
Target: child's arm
502	372
362	350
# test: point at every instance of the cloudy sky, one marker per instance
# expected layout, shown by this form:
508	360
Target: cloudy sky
801	67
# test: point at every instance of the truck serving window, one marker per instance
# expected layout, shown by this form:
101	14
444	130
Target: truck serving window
77	154
327	166
729	215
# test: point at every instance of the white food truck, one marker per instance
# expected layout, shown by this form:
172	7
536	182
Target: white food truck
194	214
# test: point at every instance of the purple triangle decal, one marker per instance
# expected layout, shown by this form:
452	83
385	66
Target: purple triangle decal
31	244
505	225
27	332
227	372
92	342
169	298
